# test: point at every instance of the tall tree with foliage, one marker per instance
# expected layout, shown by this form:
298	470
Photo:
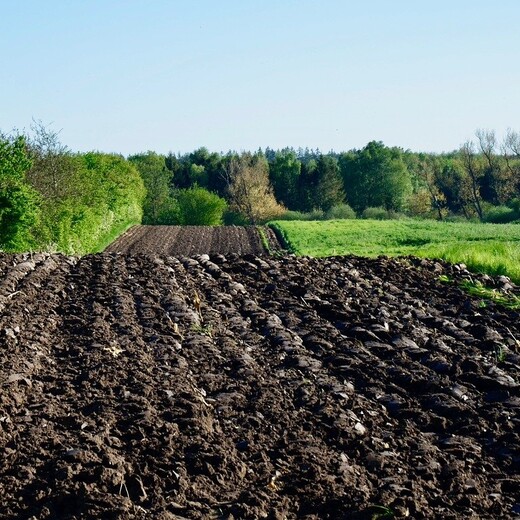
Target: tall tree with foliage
329	185
474	173
511	155
284	172
426	199
159	206
376	176
250	193
54	167
19	202
201	168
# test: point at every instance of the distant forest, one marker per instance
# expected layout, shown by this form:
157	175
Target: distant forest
54	199
480	181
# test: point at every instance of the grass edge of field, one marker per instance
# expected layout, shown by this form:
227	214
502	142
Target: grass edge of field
486	256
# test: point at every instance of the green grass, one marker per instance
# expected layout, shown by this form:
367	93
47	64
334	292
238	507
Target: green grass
487	248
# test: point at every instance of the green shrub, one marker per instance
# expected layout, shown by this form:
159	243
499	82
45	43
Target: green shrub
515	205
167	213
500	215
200	207
100	196
233	218
316	214
340	212
292	215
376	214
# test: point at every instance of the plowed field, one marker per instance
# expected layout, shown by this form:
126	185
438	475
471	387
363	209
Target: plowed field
193	240
245	387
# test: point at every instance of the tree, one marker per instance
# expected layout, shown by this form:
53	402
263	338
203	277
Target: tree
285	170
511	155
426	196
491	184
376	176
249	190
54	167
473	175
329	185
19	203
159	207
199	167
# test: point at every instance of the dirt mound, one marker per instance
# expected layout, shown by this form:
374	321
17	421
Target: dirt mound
195	240
247	387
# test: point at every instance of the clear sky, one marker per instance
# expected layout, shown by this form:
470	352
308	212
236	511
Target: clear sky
128	76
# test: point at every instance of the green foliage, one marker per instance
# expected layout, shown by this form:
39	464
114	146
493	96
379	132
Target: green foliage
233	218
485	248
284	173
201	168
514	204
487	293
340	211
249	190
499	214
376	176
105	198
19	203
200	207
375	214
159	207
320	184
316	214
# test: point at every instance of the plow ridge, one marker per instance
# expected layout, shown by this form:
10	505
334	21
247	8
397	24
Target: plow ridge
247	386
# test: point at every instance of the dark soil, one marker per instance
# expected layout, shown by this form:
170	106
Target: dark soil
194	240
253	387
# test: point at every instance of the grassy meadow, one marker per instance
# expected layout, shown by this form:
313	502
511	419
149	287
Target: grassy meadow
487	248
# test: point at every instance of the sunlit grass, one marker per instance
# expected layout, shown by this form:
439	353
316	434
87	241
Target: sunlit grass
487	248
492	257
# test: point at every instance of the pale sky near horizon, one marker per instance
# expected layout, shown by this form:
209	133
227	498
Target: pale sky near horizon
132	75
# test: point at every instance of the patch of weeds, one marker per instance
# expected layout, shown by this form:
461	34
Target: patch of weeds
500	354
205	330
509	301
263	238
487	294
381	512
281	235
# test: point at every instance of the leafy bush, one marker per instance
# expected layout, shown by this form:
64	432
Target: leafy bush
515	205
233	218
98	197
500	215
376	214
340	212
200	207
316	214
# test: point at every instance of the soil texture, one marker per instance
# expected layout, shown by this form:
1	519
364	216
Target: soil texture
249	387
195	240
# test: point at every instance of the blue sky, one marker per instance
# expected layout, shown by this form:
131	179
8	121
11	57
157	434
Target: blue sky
129	76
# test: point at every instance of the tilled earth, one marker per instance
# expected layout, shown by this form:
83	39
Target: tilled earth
254	387
194	240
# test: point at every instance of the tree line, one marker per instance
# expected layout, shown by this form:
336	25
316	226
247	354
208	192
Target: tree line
480	181
52	198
